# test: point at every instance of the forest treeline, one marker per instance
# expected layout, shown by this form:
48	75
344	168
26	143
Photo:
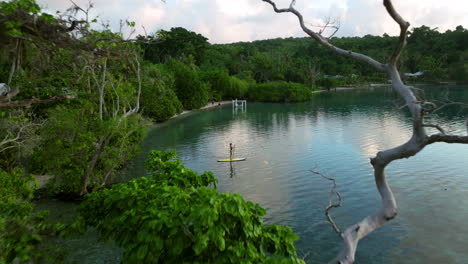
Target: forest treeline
75	103
440	56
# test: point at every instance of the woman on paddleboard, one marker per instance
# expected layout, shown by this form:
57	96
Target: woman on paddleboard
231	150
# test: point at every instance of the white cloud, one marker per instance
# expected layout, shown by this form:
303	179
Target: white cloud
246	20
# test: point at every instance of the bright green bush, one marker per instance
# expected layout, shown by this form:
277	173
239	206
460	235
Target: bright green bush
175	217
237	88
225	86
219	82
279	92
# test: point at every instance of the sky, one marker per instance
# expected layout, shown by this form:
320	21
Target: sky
227	21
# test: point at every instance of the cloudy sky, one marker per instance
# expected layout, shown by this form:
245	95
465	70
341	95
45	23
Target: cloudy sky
225	21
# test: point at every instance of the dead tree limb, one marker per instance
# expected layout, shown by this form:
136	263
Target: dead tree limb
415	144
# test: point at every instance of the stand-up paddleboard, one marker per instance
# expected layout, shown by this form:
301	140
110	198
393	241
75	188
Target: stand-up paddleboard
231	160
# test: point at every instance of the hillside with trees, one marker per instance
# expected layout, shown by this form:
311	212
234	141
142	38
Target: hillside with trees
441	56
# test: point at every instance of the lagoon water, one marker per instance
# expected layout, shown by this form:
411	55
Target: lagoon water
335	134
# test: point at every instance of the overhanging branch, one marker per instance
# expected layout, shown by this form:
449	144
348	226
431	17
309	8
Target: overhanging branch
29	102
323	41
404	25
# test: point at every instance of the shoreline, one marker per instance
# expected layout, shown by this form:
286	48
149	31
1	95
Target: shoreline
209	105
343	88
380	85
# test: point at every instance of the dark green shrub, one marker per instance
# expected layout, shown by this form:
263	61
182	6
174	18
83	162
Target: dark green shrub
76	147
190	89
159	101
22	231
219	82
328	83
279	92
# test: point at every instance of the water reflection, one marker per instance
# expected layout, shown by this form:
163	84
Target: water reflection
233	172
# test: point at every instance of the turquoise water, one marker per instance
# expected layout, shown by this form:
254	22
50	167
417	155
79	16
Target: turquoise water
335	134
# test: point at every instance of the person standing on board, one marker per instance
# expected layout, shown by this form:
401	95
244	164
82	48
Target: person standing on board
231	150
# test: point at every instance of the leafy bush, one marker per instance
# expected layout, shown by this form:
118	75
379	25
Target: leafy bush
161	106
159	101
191	91
225	86
237	88
279	92
175	217
219	82
83	152
22	231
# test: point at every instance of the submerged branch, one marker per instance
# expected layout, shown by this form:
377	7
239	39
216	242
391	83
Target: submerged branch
331	205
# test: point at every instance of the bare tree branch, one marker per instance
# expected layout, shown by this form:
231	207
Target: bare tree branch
332	205
404	25
329	24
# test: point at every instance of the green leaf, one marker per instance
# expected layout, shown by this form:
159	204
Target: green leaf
142	251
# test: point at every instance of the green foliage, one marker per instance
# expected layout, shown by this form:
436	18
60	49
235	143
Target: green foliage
15	11
173	217
18	139
279	92
159	101
173	173
29	6
176	43
160	105
237	88
328	83
304	61
22	231
77	146
190	89
224	86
